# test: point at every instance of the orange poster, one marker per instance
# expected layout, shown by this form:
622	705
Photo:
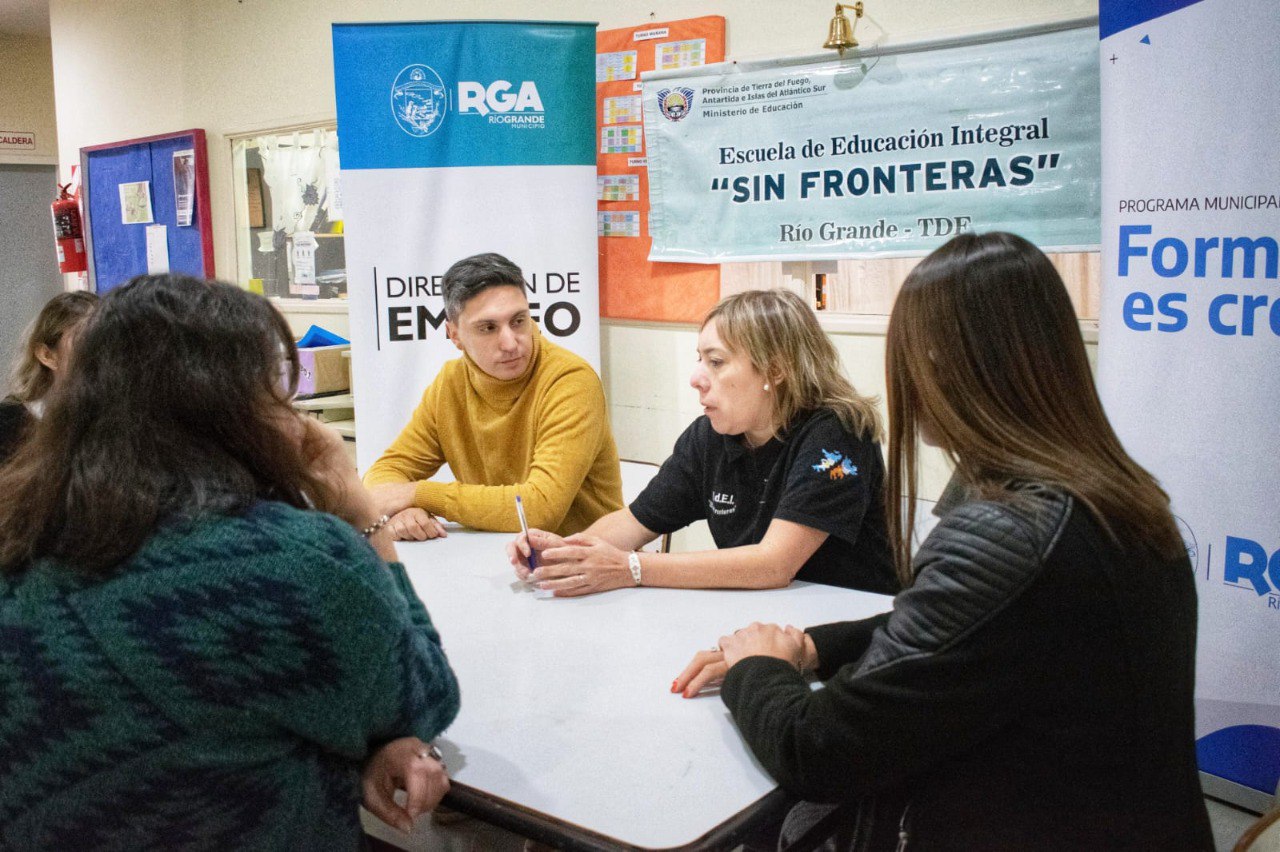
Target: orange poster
630	286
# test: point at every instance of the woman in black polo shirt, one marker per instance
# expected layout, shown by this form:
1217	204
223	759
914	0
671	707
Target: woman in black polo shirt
785	467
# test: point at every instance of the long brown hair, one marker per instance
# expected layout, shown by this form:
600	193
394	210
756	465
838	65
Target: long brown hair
781	336
60	316
174	404
984	353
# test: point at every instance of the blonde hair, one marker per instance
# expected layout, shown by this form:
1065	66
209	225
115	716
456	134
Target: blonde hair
31	379
984	353
781	336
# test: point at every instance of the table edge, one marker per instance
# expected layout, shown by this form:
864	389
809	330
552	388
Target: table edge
566	835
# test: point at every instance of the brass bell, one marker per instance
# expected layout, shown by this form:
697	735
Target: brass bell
840	32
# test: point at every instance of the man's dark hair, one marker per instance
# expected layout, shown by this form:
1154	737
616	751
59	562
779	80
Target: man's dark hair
469	276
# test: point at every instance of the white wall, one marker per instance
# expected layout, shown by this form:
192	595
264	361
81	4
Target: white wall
26	97
118	71
131	68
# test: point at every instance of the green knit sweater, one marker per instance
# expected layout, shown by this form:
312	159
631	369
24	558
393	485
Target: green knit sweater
220	691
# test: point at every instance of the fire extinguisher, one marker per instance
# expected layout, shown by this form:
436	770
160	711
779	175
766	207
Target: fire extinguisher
68	234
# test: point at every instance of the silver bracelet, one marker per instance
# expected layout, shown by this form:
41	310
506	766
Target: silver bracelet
633	563
375	526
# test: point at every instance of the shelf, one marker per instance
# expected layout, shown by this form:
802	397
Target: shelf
293	304
346	428
319	403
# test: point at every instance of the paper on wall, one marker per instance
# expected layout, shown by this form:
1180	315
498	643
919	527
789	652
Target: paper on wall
157	249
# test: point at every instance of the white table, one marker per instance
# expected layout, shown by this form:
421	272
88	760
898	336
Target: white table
568	730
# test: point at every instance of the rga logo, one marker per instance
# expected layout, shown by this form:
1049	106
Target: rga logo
1248	564
675	103
419	100
503	102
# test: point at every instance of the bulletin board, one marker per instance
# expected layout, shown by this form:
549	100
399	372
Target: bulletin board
158	189
631	287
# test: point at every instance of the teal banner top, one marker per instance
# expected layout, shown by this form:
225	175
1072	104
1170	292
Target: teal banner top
465	93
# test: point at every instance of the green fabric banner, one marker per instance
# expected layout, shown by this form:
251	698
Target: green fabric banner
884	153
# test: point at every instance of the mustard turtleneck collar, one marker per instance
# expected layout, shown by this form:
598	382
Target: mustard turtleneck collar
503	393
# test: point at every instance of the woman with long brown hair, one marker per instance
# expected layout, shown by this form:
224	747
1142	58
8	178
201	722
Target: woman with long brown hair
204	635
46	348
1032	686
784	466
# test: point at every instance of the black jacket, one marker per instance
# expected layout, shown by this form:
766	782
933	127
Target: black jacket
1031	690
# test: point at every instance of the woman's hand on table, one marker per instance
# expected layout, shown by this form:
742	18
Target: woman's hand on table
405	764
581	565
518	549
414	524
708	668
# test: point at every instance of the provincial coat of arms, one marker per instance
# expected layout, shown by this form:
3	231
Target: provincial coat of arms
675	103
419	100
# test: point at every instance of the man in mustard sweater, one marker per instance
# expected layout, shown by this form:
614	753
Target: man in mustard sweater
516	414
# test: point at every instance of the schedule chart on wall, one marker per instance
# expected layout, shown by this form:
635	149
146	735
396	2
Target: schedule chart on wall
623	223
569	733
617	187
631	286
681	54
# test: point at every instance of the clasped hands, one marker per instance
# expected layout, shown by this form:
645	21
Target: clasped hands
579	564
408	522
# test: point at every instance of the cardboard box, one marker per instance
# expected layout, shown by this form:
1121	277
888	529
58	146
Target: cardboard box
324	370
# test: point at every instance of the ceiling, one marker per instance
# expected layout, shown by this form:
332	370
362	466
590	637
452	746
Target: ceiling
24	17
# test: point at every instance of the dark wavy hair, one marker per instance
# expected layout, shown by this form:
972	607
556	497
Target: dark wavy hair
984	354
175	404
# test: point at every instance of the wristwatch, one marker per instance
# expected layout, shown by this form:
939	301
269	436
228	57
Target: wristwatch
633	562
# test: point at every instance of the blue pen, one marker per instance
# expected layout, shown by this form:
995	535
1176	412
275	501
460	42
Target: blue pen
524	526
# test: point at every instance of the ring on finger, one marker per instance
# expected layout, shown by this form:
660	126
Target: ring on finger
433	751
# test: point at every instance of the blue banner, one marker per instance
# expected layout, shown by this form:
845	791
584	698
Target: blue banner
1189	336
458	138
887	153
474	93
1114	17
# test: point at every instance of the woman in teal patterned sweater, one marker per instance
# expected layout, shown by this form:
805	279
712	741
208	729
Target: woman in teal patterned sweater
191	655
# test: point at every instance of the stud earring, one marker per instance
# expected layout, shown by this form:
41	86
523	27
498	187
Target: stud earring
766	385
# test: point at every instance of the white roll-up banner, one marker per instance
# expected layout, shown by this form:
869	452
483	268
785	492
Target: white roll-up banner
460	137
1189	343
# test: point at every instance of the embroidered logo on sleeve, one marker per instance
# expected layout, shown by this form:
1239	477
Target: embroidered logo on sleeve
835	465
